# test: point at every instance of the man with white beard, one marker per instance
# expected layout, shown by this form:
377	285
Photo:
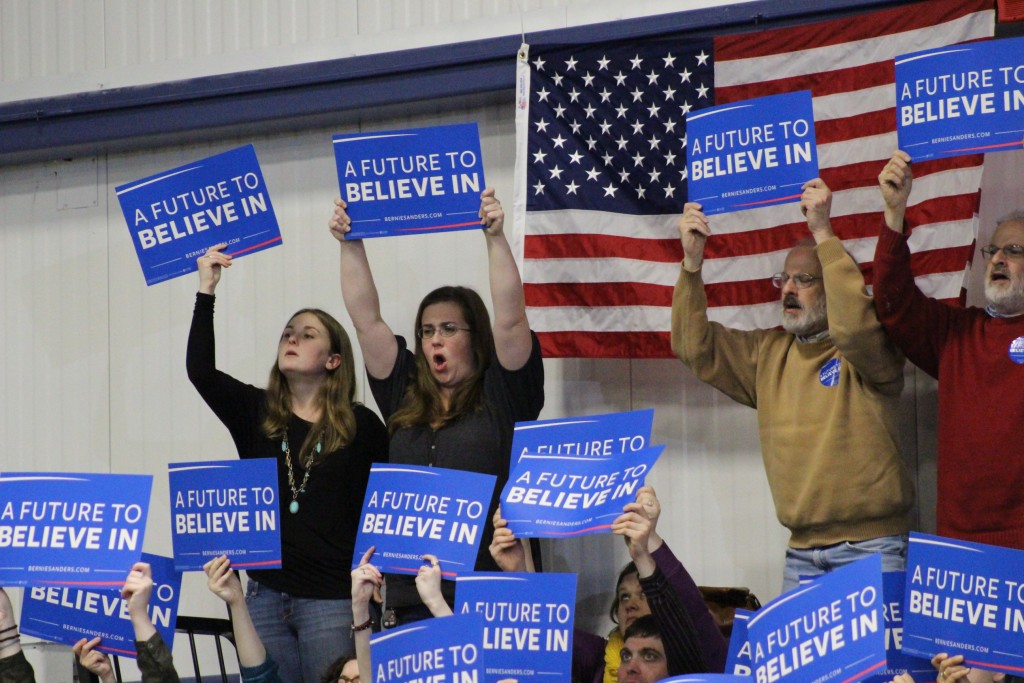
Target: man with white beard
978	357
826	390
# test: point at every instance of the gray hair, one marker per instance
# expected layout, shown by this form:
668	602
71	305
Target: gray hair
1015	216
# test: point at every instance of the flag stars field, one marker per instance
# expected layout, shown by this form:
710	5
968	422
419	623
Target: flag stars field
632	87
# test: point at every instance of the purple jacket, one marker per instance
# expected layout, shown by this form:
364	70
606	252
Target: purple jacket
588	649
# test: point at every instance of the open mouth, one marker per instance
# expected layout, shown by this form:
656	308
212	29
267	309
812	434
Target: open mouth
998	276
790	303
439	362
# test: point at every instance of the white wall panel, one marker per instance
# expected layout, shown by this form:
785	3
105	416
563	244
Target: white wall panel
55	403
58	47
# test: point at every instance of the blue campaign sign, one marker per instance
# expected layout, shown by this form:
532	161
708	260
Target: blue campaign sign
418	180
738	661
828	630
750	154
554	496
71	529
228	508
965	598
66	615
410	511
898	662
587	435
443	649
175	216
528	621
961	99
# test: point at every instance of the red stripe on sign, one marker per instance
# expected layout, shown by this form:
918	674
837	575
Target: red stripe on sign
254	247
438	227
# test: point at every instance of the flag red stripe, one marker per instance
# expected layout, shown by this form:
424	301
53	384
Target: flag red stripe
839	31
587	294
779	238
736	293
853	127
605	344
602	246
854	226
865	173
820	84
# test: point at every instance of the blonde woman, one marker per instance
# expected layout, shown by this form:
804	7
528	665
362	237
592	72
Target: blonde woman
324	444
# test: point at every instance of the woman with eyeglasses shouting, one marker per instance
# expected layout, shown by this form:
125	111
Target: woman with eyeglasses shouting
453	399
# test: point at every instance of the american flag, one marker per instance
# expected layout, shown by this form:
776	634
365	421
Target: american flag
601	172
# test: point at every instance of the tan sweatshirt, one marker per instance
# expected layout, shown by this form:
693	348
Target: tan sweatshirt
831	453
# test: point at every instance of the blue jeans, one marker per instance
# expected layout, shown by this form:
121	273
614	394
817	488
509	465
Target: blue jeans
812	562
303	636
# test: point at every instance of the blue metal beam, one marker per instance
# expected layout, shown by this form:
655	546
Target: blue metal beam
251	101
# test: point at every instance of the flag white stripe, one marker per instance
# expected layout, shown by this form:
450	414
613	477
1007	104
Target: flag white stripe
844	203
844	104
595	270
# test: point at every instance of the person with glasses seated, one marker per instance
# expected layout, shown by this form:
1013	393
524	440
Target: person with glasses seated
453	399
977	355
826	389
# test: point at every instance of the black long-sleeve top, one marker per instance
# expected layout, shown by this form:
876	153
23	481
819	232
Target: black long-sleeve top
317	542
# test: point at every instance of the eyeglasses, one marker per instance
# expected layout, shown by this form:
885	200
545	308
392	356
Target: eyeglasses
1011	251
445	329
801	280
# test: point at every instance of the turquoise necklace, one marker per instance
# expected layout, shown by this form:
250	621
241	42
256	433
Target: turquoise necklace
293	507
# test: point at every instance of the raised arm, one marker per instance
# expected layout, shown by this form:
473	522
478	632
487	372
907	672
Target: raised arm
376	340
93	660
13	665
137	589
712	645
915	323
852	321
678	633
507	550
210	266
724	358
895	182
154	656
224	583
428	585
694	231
512	339
365	578
816	205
